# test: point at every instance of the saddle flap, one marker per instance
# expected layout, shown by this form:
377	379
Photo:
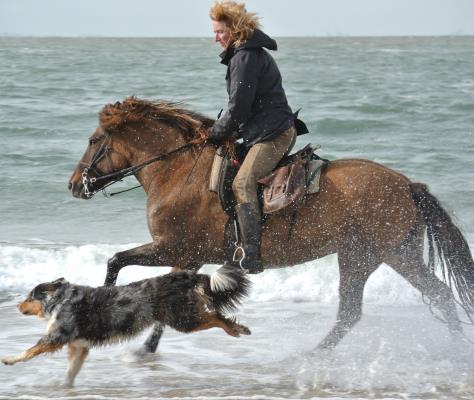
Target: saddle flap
284	186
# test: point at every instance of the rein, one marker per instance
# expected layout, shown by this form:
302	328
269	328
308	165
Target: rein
117	176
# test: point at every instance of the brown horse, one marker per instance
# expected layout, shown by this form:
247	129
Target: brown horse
366	213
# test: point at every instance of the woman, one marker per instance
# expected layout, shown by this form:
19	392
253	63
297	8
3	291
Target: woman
258	111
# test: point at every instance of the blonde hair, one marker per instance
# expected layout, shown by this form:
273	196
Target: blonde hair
241	24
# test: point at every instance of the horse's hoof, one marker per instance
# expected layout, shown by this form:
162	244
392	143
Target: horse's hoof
113	269
144	353
67	385
326	346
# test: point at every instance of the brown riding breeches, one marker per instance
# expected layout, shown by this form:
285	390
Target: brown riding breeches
261	159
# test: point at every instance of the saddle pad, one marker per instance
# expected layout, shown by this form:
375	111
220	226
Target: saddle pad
313	175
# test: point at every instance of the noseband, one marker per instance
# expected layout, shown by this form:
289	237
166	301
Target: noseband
86	180
117	176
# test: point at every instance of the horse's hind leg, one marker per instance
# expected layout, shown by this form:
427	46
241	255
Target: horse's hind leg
354	270
408	262
414	270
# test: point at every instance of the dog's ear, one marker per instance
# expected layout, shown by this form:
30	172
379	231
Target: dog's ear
55	285
48	288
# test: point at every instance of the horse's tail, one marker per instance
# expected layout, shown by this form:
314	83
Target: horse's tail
229	285
447	246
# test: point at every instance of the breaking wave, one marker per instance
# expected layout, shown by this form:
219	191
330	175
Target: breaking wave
23	267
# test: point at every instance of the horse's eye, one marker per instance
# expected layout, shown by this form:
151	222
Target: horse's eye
92	141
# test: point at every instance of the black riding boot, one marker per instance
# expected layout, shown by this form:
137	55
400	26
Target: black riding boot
248	218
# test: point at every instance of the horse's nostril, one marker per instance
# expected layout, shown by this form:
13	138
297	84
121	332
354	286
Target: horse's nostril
69	186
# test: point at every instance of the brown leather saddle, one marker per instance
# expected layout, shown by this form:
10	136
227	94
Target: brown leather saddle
289	182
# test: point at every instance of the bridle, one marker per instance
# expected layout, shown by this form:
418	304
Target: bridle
117	176
86	180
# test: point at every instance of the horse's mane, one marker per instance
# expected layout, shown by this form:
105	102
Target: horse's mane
132	109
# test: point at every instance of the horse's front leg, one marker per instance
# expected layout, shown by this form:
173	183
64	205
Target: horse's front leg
151	254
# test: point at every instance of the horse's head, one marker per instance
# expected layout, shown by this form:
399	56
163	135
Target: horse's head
131	132
104	155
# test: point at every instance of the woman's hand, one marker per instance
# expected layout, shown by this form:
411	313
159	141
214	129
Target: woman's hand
203	136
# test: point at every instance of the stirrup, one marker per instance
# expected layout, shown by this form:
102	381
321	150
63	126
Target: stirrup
259	268
237	260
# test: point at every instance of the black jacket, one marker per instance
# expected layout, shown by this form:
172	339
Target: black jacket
257	109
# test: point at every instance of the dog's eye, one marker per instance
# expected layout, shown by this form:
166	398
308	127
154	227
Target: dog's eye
38	293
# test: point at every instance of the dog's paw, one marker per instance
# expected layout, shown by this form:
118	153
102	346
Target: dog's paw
243	330
9	360
67	384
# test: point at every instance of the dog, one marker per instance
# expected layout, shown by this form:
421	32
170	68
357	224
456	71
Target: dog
84	317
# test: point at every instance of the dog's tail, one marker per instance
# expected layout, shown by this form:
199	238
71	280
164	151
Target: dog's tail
229	285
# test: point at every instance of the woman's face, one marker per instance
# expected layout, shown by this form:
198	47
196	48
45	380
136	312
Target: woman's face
221	32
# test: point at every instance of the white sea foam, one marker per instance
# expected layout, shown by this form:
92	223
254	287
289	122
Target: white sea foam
21	268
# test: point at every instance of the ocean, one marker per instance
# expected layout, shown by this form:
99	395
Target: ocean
406	102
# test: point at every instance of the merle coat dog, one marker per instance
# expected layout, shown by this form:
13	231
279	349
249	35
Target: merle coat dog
83	317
